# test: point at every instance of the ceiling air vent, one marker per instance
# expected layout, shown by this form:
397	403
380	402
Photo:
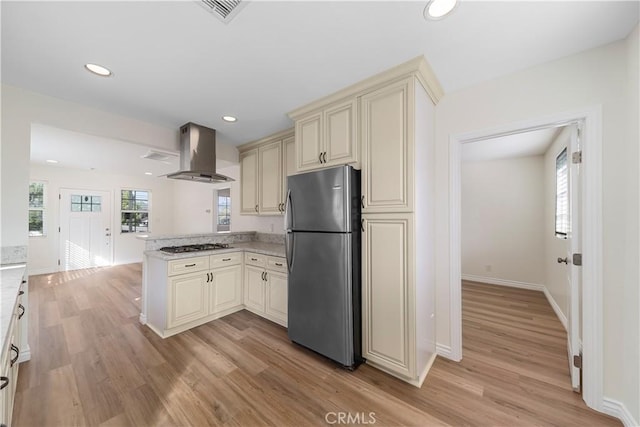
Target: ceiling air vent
224	10
159	156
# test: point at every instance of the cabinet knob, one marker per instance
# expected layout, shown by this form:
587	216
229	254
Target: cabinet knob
324	157
320	157
21	307
4	382
256	208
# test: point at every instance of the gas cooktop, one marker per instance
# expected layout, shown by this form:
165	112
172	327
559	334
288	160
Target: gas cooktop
195	248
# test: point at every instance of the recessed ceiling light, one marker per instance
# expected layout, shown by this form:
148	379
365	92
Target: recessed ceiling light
52	161
148	173
438	9
98	69
229	119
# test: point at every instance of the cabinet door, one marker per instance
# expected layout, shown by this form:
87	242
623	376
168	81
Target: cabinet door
288	163
188	298
270	178
308	135
387	151
276	304
226	289
254	288
387	292
249	182
340	142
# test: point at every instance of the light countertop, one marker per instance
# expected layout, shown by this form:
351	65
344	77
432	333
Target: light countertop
10	280
273	249
151	236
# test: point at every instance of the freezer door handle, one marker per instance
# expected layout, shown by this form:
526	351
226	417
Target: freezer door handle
288	243
288	213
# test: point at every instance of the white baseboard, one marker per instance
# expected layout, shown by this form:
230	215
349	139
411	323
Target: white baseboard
43	270
619	410
556	308
444	351
503	282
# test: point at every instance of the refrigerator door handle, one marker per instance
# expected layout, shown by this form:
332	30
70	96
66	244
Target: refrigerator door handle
288	243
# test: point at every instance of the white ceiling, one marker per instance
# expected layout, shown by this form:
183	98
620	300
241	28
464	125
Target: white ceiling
532	143
174	62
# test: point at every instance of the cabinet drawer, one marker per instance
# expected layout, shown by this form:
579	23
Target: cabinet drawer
188	265
255	259
277	264
223	260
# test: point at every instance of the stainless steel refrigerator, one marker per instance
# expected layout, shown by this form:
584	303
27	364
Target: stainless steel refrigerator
323	245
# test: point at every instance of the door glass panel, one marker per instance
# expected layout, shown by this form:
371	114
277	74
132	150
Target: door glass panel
80	203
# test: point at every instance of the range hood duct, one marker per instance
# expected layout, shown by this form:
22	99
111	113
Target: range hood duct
198	155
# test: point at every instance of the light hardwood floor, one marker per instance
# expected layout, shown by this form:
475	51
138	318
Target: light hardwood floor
94	364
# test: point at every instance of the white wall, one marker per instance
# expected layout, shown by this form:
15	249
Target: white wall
44	252
192	200
556	274
502	220
631	350
595	77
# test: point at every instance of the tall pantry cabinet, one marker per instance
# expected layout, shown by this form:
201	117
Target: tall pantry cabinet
395	133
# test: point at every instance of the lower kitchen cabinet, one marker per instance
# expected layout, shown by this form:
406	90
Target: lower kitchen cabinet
226	290
254	295
188	298
265	287
9	362
193	291
398	332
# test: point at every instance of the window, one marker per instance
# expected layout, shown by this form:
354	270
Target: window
562	195
134	211
80	203
224	210
36	208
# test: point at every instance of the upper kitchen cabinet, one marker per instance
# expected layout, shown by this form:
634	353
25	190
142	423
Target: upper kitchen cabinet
249	182
387	116
327	137
264	167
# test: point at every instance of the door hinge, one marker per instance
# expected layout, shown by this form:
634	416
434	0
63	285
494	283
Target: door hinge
577	259
58	262
58	229
576	157
59	196
577	361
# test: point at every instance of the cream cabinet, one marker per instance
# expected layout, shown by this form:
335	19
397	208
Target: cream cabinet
188	298
387	296
387	152
288	163
270	178
264	166
197	290
392	119
249	182
266	287
327	137
9	361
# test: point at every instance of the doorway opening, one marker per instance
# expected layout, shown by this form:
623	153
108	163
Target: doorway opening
590	202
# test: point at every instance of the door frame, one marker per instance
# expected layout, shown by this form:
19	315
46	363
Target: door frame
592	286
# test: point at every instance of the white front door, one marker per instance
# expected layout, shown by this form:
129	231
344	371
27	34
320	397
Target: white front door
574	270
85	229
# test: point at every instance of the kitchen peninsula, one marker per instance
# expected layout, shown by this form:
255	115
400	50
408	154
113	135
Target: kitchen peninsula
186	289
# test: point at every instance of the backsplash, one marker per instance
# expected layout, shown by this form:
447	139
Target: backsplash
13	255
270	238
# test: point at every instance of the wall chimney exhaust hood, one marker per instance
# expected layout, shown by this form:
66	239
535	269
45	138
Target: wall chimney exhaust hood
198	155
